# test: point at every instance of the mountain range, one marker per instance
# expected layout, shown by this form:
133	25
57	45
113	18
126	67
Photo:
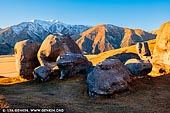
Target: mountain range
37	30
91	39
106	37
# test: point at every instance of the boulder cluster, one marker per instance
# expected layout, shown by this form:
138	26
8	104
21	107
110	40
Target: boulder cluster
60	55
57	55
113	74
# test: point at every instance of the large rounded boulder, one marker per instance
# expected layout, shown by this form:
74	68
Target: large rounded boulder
70	64
139	67
108	77
123	57
26	57
161	53
55	45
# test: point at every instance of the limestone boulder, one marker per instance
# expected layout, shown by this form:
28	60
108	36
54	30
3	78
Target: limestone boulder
123	57
143	51
53	46
70	64
26	57
139	67
161	53
108	77
42	73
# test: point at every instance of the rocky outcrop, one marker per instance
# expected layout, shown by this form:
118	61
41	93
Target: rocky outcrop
108	77
123	57
71	64
42	73
53	46
37	30
107	37
143	51
139	67
161	53
26	57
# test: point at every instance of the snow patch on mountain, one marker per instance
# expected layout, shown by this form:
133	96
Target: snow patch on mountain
38	30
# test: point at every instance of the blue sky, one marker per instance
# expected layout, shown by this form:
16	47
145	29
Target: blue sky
142	14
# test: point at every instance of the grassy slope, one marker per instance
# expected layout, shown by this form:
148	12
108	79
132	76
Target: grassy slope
145	95
102	56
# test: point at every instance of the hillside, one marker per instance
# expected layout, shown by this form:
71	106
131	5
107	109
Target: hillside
100	57
106	37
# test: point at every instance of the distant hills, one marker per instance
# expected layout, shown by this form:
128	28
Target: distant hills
106	37
91	40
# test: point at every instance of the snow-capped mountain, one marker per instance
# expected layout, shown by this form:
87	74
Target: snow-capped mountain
91	40
38	30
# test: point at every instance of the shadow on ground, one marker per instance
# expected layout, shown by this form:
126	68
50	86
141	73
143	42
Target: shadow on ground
145	95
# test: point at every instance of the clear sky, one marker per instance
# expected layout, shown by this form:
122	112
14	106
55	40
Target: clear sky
143	14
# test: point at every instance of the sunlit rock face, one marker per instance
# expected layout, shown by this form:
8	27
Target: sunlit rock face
53	46
161	54
26	58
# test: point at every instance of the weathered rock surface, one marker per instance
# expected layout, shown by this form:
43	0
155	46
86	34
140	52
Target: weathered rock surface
53	46
26	57
42	73
161	53
123	57
139	67
143	51
108	77
71	63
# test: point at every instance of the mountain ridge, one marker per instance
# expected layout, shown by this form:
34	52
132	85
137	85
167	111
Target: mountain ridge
91	39
104	37
37	30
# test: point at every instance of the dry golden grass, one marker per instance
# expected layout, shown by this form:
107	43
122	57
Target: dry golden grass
12	80
7	65
8	73
95	59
